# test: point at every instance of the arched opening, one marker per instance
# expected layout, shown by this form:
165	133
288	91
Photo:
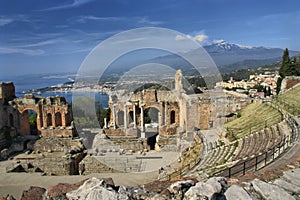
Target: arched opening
58	120
49	119
120	118
131	116
11	120
151	115
28	122
151	141
172	117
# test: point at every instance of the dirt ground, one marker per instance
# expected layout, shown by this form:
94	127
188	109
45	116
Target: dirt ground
16	183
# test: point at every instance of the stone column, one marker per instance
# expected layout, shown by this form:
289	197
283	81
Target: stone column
142	122
162	114
134	116
53	117
105	123
166	115
114	116
125	116
63	118
44	119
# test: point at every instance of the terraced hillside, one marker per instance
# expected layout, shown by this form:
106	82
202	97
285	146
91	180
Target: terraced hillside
253	118
290	101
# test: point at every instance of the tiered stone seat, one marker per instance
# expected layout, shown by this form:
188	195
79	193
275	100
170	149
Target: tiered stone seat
246	145
263	139
270	139
219	156
256	144
251	145
216	152
280	131
239	148
230	152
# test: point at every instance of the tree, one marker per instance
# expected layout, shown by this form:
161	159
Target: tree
288	68
32	121
284	64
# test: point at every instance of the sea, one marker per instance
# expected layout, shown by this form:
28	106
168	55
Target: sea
25	83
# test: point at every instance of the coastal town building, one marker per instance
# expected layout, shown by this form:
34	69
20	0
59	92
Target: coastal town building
266	80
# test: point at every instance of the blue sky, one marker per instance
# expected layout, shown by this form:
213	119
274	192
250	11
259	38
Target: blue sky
56	35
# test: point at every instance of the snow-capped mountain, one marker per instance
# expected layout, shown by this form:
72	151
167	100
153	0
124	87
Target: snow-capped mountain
219	45
226	55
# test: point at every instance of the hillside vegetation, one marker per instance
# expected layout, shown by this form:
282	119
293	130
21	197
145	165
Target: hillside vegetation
257	116
290	100
252	118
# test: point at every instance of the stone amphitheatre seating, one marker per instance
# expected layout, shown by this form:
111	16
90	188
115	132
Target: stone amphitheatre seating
220	156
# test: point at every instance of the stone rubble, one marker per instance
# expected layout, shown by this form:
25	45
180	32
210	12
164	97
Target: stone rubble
215	188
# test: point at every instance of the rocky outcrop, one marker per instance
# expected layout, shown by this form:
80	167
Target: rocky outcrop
7	197
211	189
270	191
93	189
34	193
60	190
285	187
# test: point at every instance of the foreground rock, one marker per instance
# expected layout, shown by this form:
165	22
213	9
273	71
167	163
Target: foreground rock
215	188
212	189
7	197
34	193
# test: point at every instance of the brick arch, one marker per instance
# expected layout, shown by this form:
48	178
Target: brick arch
58	119
24	120
157	107
154	116
172	117
49	119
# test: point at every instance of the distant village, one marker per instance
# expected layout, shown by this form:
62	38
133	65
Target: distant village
257	86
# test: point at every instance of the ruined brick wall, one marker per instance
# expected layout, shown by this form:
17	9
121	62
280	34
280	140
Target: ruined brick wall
7	91
204	110
168	130
90	165
114	132
58	132
288	82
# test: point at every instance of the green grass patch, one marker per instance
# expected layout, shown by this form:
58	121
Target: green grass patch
254	117
290	101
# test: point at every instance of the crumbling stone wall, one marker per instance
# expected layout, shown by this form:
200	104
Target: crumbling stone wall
288	82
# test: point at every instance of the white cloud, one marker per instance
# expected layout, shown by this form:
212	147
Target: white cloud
21	51
145	20
42	43
199	37
84	19
136	20
75	3
180	37
4	21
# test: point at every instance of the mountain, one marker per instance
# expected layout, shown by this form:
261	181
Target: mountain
228	57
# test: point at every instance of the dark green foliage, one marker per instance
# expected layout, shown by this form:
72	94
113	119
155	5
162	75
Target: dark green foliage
101	114
32	121
153	86
289	67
